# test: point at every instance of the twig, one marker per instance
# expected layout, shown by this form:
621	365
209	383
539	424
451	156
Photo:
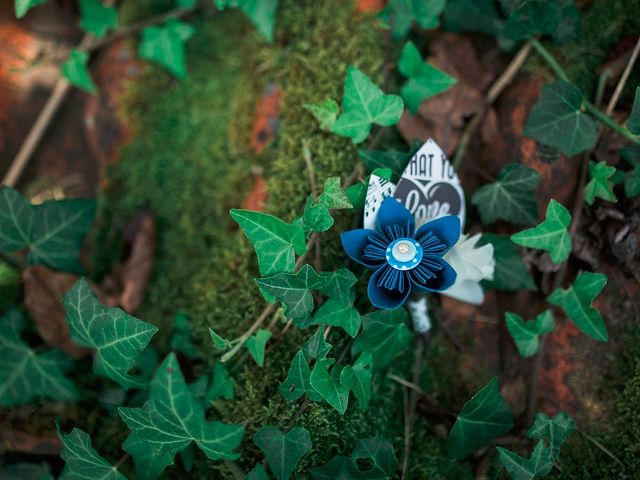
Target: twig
306	154
412	402
595	441
623	79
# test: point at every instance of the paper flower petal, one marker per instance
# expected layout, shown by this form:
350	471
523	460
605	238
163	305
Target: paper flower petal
466	291
383	298
447	229
354	243
444	277
394	220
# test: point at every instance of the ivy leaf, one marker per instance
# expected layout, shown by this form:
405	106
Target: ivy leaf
526	334
297	383
568	29
472	16
165	45
485	417
258	473
384	335
283	452
520	468
364	104
425	80
633	122
576	302
357	194
358	379
380	452
337	314
556	430
316	218
333	196
531	18
117	337
325	112
96	18
262	13
394	160
173	418
53	231
221	384
557	119
275	242
26	375
82	461
76	72
219	343
180	340
329	387
337	285
316	347
401	14
23	6
551	235
148	457
338	468
600	184
632	178
510	272
256	344
511	197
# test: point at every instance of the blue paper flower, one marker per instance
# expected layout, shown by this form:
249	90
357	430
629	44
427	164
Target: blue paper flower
403	260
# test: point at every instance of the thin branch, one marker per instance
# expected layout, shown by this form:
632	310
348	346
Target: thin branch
623	79
597	443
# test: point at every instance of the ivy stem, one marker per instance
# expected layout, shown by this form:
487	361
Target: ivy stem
553	64
609	122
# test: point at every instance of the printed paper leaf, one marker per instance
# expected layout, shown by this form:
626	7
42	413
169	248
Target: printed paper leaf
82	461
380	452
180	340
26	375
485	417
262	13
333	196
600	185
97	18
117	337
400	15
297	383
165	45
576	302
520	468
325	112
551	235
149	458
364	104
557	119
172	418
329	387
221	384
526	335
316	347
384	335
275	242
283	452
23	6
511	197
425	80
357	378
337	314
76	72
337	285
510	272
633	122
53	231
256	344
531	18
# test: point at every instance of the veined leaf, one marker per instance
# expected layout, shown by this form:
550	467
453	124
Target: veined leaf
274	241
333	196
378	451
511	197
149	458
526	335
165	45
568	29
325	112
531	18
172	418
53	231
364	104
337	314
26	375
329	387
258	473
339	467
316	347
600	184
357	378
556	430
219	343
384	335
633	122
576	302
96	18
485	417
180	340
520	468
472	16
394	160
337	285
23	6
510	273
401	14
557	119
76	72
551	235
221	384
256	344
283	452
262	13
316	218
117	337
298	383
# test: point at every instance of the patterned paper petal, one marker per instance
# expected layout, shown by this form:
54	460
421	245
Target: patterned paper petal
378	189
354	243
384	298
394	220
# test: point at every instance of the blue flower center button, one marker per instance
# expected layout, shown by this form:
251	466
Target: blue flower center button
404	254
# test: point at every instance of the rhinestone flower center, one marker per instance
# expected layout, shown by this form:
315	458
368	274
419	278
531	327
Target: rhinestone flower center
404	254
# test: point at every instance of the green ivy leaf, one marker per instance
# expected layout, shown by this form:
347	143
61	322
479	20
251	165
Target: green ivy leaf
96	18
328	386
23	6
333	196
633	122
357	378
325	112
53	231
337	314
472	16
551	235
82	461
510	272
76	72
526	335
531	18
394	160
364	104
165	45
180	340
425	80
401	14
274	241
316	347
357	193
485	417
316	218
26	375
117	337
173	418
520	468
219	343
600	184
632	178
283	452
557	119
511	197
258	473
556	430
378	451
384	335
338	468
569	24
262	13
148	457
256	344
297	383
576	302
221	384
337	285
